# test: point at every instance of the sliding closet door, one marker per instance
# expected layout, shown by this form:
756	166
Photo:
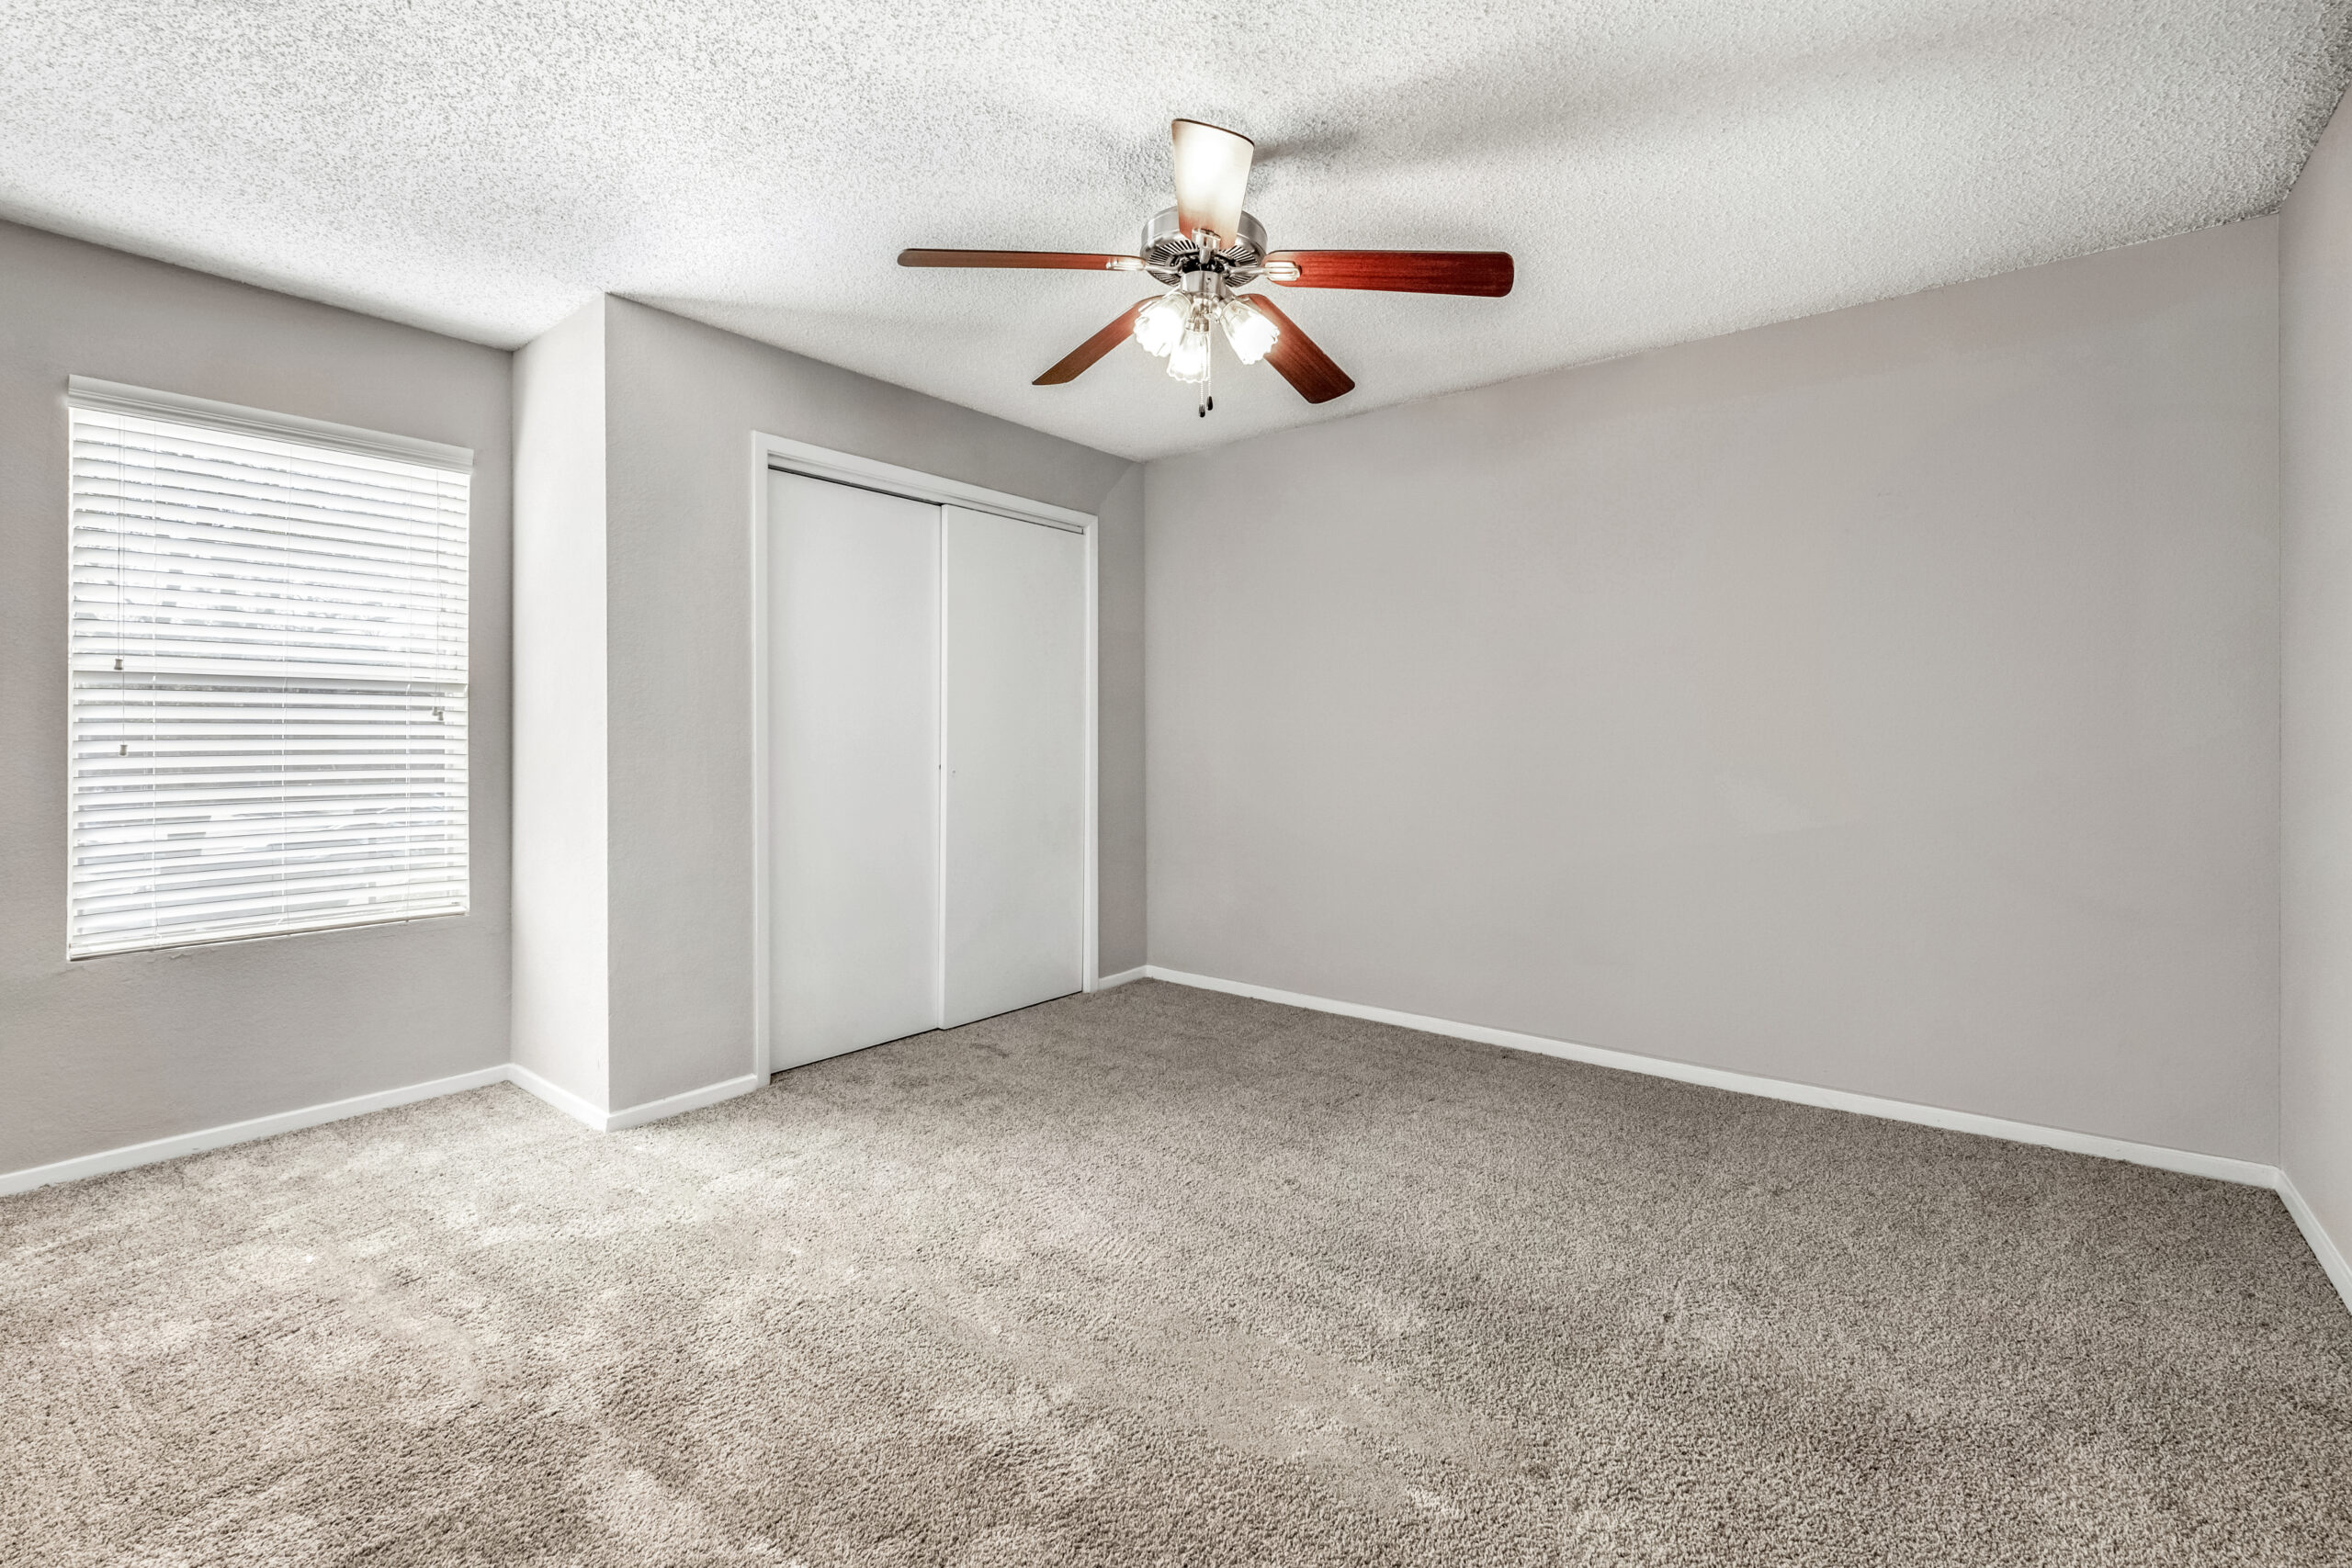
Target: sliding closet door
853	696
1014	735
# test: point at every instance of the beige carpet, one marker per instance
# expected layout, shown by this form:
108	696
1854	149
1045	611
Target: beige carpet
1163	1277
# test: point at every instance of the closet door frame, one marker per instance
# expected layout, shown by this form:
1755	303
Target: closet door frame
778	452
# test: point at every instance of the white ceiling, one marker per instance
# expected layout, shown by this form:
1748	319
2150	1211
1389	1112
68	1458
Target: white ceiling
1663	169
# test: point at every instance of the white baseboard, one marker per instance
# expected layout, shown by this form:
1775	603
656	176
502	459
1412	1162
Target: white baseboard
679	1104
2331	1256
580	1110
555	1094
2216	1166
106	1161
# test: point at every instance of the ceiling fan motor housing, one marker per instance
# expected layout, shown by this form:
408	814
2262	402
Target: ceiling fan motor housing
1169	253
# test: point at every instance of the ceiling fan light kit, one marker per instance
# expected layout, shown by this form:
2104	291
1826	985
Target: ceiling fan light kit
1205	249
1177	327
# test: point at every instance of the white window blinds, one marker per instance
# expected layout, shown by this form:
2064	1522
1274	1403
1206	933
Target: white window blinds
268	674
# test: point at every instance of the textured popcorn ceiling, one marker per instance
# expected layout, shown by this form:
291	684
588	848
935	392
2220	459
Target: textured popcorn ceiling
1663	169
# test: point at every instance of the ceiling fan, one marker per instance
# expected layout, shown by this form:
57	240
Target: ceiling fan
1205	248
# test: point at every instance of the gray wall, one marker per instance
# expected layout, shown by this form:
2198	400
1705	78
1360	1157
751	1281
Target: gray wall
1886	700
1119	740
683	400
105	1052
2315	1130
561	1024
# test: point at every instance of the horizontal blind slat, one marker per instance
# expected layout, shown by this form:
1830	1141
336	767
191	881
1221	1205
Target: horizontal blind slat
268	645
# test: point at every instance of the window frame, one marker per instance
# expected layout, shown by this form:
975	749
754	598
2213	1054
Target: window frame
86	394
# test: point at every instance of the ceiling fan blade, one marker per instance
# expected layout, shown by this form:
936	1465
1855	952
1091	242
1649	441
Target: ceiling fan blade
1212	173
1487	273
1073	261
1303	364
1078	360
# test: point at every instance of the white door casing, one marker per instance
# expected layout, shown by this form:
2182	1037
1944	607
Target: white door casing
840	777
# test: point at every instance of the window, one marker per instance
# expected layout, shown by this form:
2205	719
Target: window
269	674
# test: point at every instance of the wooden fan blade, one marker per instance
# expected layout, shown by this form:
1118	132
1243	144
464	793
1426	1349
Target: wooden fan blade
1211	174
1073	261
1399	272
1078	360
1304	366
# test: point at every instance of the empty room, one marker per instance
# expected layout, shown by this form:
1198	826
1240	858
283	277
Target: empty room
958	785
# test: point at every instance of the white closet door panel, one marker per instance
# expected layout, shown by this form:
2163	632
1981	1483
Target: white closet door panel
1014	730
852	693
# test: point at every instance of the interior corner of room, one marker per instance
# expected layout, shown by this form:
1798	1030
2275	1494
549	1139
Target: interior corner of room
1936	709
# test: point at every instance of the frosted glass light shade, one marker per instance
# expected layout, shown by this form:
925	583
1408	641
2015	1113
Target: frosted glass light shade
1249	330
1160	325
1190	359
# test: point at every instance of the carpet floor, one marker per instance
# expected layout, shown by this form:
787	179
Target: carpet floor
1163	1277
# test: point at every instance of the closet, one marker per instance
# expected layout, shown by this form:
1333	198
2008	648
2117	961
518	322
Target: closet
926	751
